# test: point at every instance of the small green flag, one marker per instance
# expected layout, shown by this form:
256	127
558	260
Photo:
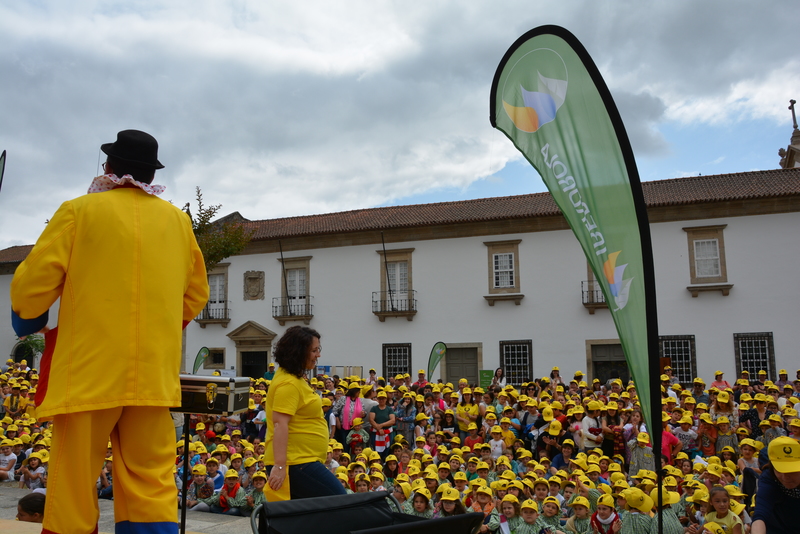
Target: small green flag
437	353
202	354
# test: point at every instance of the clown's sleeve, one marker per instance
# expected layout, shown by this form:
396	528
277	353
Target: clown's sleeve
39	280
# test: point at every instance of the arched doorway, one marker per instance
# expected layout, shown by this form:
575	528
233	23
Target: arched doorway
23	351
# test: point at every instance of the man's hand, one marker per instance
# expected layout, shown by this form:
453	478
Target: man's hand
44	330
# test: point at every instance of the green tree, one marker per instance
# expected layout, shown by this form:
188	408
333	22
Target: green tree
30	346
217	239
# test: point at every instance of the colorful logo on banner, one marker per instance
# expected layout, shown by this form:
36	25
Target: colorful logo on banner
540	107
614	275
532	109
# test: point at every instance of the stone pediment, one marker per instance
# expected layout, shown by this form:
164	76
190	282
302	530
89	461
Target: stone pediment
250	332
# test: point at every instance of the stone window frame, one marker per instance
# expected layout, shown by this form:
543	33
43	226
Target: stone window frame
301	262
503	293
503	247
701	233
400	254
766	337
516	377
384	357
220	269
208	363
678	369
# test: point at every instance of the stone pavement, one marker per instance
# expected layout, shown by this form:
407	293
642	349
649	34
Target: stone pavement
199	522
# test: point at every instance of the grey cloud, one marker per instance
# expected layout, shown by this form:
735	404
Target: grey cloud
270	140
641	114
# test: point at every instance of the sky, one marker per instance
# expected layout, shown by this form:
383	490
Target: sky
277	108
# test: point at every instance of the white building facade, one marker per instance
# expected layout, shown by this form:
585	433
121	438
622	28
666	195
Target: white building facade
503	283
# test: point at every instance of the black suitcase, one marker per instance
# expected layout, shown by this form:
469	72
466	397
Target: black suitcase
214	395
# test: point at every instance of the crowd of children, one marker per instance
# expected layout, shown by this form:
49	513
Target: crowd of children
553	455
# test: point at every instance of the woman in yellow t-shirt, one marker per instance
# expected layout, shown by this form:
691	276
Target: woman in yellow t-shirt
466	413
297	434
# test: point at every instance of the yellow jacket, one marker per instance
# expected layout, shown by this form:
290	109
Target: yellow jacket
129	273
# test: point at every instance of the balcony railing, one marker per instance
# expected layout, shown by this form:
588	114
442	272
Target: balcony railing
393	304
214	315
592	296
292	309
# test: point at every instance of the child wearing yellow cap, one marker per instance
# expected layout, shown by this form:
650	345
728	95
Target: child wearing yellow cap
201	487
255	495
357	438
579	523
549	517
721	513
421	504
450	504
508	512
230	498
605	520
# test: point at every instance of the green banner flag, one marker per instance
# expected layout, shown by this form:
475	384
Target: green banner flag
549	99
437	353
202	354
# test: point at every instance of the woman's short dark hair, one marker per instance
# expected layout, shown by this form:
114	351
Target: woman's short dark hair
32	503
140	174
291	352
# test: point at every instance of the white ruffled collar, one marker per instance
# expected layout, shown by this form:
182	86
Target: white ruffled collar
106	182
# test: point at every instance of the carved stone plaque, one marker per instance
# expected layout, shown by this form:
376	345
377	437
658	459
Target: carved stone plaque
254	285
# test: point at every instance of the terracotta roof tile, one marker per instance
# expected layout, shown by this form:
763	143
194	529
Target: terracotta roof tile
15	254
691	190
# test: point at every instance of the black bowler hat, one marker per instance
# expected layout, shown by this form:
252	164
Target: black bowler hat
135	147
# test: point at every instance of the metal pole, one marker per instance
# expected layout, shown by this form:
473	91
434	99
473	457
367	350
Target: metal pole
285	282
386	268
185	476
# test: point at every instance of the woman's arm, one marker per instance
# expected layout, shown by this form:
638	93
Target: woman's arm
372	422
605	427
280	441
391	422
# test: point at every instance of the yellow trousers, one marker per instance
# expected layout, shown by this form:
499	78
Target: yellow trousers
145	496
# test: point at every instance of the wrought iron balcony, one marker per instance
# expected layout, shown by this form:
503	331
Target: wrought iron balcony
592	296
393	304
292	309
214	315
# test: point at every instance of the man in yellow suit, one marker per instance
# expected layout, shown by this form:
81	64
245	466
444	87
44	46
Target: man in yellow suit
130	276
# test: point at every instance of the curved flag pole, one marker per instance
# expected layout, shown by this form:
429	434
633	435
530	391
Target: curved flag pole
549	99
2	167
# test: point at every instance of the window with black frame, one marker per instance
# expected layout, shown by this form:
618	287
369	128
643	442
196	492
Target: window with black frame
516	359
